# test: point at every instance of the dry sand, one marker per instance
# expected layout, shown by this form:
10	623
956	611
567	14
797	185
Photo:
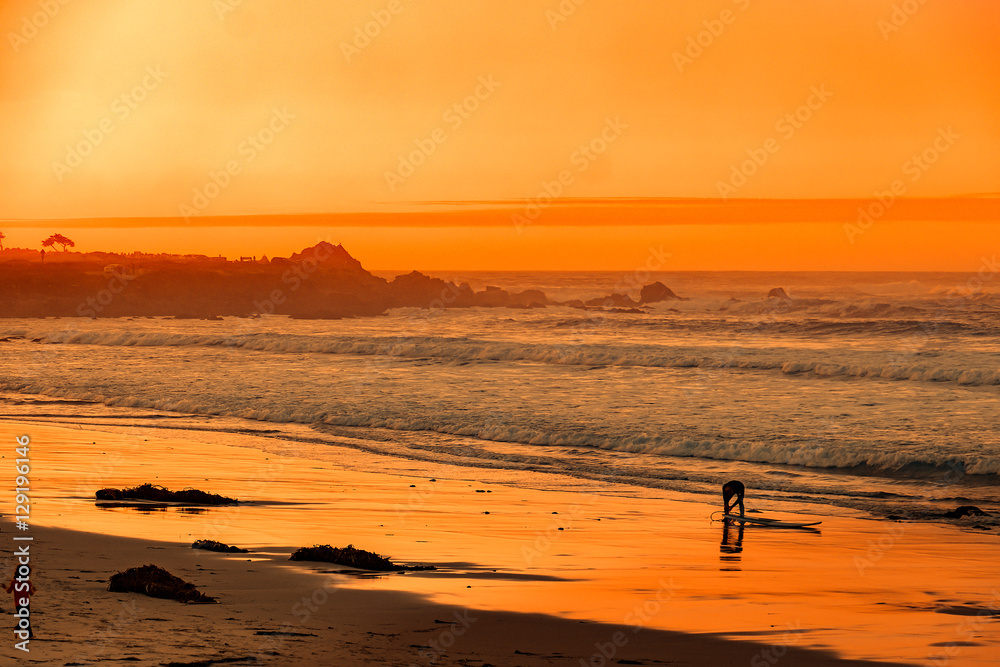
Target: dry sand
635	577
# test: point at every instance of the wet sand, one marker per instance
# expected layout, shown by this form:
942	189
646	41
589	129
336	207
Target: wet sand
635	574
276	614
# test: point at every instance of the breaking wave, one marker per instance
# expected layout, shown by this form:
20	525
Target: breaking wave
921	366
902	462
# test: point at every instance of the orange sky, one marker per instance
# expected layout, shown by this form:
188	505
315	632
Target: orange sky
186	110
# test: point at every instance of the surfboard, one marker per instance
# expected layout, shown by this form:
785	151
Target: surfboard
773	523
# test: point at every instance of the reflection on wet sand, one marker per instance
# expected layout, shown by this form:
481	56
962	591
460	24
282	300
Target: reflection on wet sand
731	546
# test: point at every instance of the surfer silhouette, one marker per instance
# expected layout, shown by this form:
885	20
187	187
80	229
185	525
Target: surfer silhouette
731	489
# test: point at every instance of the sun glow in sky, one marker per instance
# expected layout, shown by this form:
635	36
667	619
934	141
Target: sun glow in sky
192	109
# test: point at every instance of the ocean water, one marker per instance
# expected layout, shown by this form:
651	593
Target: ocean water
877	392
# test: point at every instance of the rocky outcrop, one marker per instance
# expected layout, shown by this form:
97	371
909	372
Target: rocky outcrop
778	293
964	510
651	293
656	292
414	289
612	301
494	297
321	282
330	257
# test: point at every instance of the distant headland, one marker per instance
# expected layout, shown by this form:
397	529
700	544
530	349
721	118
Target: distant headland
320	282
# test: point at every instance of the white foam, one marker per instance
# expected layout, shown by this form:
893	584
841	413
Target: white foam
891	365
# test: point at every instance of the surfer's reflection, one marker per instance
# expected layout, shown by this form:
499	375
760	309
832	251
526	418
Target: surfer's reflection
732	542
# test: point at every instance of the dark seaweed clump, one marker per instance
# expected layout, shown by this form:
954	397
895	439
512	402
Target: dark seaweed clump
158	493
157	583
212	545
350	557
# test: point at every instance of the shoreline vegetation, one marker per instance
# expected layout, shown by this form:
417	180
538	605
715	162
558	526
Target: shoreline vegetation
321	282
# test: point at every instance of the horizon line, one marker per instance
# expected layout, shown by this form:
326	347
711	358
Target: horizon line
585	212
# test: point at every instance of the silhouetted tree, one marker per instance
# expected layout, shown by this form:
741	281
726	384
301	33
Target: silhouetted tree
65	242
